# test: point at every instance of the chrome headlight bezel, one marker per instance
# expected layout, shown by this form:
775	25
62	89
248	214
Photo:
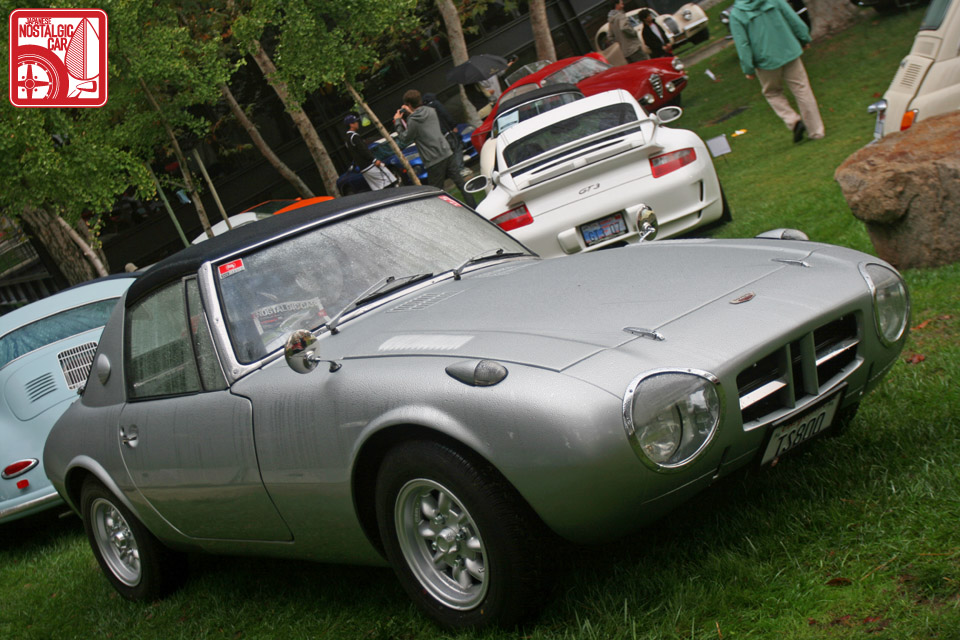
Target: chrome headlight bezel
882	282
677	64
689	444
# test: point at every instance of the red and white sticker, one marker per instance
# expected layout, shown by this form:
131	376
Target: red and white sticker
451	201
58	58
230	268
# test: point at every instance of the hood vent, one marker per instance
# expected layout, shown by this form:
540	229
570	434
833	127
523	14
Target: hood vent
657	83
910	76
40	386
76	362
424	301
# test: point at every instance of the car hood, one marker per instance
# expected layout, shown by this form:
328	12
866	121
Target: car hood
554	313
629	77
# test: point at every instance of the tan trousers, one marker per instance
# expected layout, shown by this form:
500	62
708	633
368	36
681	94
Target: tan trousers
794	76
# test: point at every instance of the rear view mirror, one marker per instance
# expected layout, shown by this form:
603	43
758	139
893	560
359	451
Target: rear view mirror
477	184
669	114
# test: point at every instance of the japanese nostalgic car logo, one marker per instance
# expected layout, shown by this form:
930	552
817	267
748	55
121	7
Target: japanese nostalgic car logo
747	297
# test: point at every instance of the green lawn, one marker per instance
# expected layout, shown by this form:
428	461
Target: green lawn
855	537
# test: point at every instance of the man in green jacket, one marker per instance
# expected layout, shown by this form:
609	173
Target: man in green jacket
770	39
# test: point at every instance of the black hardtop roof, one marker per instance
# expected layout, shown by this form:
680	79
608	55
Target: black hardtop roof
542	92
188	261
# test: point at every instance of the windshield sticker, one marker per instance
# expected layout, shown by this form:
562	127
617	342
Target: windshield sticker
230	268
425	343
287	316
451	201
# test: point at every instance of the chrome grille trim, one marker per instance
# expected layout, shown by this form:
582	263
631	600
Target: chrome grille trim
798	372
657	83
75	363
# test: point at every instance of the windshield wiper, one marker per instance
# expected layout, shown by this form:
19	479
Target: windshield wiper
381	288
490	254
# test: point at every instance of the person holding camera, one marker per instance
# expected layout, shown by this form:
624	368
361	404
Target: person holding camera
418	123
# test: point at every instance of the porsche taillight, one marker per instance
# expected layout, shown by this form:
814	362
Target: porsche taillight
670	162
514	218
18	468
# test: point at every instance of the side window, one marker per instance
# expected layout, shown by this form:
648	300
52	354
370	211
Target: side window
207	362
158	354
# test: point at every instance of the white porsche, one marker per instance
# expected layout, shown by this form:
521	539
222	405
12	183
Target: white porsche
578	178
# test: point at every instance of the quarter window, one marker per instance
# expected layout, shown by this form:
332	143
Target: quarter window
159	355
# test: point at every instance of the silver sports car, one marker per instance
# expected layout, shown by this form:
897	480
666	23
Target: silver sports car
389	376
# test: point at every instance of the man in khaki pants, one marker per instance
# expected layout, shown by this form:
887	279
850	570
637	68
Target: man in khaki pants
770	39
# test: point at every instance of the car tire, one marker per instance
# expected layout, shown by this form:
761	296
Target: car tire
700	36
726	215
464	545
138	566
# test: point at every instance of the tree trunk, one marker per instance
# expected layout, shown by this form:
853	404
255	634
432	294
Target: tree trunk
328	173
458	50
828	17
542	39
181	160
383	131
65	249
262	145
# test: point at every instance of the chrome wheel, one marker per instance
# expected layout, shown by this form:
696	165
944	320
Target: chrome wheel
441	544
115	540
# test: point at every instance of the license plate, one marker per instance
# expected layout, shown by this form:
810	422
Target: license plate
603	229
798	430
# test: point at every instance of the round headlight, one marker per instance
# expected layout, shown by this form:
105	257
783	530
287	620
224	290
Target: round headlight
891	304
671	416
677	64
648	98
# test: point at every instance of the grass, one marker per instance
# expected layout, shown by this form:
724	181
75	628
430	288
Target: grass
854	537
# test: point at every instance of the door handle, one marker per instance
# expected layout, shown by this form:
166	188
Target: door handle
128	435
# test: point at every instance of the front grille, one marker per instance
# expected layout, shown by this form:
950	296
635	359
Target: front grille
76	362
671	25
657	83
797	371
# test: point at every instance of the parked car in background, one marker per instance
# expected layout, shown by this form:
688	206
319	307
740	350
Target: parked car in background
351	181
46	348
259	212
798	5
429	393
522	108
653	83
578	177
928	80
688	24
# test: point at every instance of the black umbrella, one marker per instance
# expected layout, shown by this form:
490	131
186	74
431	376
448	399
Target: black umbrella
477	68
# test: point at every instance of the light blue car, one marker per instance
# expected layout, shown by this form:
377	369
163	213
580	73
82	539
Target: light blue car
45	353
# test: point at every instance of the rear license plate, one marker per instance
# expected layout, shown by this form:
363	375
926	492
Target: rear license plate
798	430
603	229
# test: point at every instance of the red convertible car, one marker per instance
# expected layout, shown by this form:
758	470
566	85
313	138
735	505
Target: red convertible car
654	83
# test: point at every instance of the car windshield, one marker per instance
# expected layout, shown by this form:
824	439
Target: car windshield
54	328
304	281
526	70
574	73
533	108
569	130
933	18
518	91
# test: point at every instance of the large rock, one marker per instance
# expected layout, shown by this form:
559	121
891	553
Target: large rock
906	188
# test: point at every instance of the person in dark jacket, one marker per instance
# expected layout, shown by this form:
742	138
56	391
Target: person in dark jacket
770	39
449	128
376	175
653	36
418	123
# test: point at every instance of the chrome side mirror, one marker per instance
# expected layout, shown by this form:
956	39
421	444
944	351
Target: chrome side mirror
669	114
301	354
476	184
647	223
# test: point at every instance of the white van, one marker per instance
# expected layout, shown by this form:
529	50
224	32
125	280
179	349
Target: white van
928	80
